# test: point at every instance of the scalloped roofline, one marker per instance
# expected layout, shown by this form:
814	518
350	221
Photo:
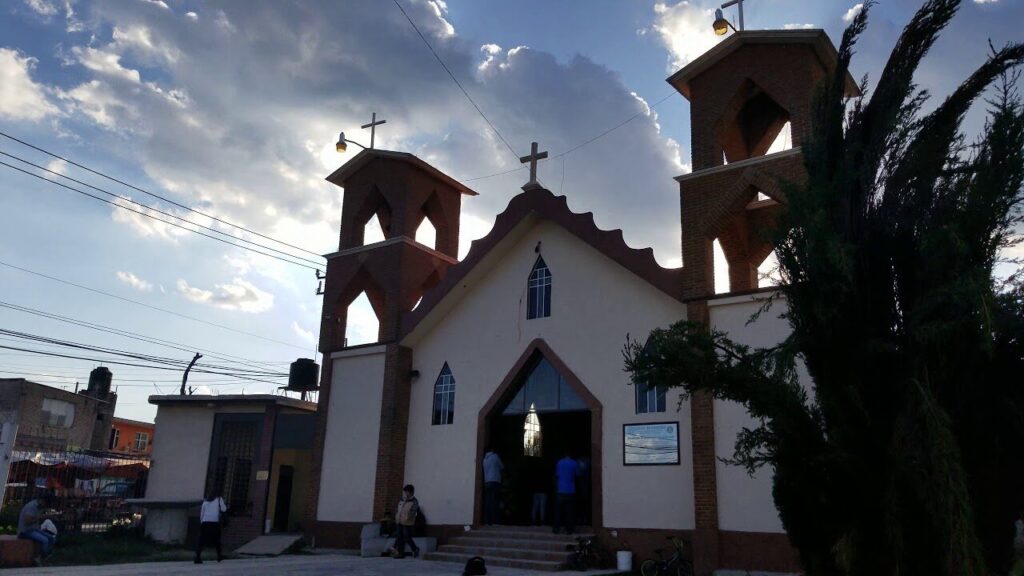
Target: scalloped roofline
541	203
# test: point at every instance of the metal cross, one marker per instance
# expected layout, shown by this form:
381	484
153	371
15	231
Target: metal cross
532	159
373	127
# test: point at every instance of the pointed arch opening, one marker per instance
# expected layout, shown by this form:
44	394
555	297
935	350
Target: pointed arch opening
783	141
444	398
540	413
751	123
426	233
768	273
721	268
373	231
362	324
539	291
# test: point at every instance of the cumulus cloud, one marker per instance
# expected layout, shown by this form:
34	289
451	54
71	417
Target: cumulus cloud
852	13
685	30
42	7
145	222
134	281
255	149
795	26
21	98
306	335
985	1
239	294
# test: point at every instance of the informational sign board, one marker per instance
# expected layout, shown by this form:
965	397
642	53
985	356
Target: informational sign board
650	444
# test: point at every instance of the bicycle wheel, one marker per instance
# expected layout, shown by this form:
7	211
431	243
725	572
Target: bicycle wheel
684	568
650	568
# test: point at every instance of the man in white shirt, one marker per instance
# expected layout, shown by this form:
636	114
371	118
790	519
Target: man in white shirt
492	484
209	525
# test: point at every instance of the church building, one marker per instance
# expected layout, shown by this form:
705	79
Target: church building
518	346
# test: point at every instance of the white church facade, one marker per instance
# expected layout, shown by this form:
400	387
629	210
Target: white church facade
519	345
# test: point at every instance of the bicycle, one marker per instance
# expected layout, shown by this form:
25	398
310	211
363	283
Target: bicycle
675	565
586	554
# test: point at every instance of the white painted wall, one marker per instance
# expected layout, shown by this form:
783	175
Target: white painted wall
181	453
744	503
483	331
353	431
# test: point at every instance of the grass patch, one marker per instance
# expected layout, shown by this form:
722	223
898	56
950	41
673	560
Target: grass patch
114	547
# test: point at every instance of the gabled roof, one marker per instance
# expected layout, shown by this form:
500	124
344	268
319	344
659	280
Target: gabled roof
817	38
542	204
364	157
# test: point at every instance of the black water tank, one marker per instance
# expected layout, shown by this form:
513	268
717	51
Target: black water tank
99	382
303	375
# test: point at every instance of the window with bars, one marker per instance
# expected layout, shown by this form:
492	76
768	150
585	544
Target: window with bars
539	288
236	437
649	399
444	397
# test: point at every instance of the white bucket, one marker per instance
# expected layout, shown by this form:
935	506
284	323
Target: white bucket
625	559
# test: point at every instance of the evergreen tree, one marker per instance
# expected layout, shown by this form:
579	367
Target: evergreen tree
904	454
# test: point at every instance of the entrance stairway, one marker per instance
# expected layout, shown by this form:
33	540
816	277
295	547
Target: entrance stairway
529	547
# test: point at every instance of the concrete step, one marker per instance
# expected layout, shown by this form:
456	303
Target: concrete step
517	553
512	533
547	565
270	545
485	541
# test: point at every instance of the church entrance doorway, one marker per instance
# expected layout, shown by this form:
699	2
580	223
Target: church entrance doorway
542	413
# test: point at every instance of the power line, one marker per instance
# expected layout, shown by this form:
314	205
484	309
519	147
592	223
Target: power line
133	335
141	213
119	363
157	196
135	355
119	381
578	146
157	308
148	207
456	80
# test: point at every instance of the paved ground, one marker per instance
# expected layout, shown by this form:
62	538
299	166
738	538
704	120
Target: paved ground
302	565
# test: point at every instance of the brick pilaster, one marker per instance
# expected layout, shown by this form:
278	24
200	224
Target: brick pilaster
394	429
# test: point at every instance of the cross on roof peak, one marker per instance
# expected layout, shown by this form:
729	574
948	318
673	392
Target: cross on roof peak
373	127
532	158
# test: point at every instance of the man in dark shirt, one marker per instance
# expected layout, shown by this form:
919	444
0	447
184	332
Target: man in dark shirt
29	525
566	472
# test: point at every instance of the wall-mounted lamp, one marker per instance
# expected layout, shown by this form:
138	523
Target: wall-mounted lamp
343	143
721	25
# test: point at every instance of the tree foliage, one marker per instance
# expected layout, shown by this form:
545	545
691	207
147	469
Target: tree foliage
904	453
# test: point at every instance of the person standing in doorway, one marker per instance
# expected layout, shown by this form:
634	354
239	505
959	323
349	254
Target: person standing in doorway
405	519
566	472
492	484
210	515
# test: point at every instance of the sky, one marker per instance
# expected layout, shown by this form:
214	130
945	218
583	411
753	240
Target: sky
233	108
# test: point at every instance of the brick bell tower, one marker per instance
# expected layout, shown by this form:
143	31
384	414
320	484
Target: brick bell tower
743	93
401	190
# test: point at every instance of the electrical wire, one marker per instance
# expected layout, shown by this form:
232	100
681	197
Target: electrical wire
456	80
141	213
133	335
136	355
151	208
581	144
151	307
146	192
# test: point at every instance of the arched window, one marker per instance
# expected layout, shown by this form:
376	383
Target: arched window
444	397
539	305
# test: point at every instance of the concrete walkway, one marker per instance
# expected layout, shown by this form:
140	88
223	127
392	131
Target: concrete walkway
301	565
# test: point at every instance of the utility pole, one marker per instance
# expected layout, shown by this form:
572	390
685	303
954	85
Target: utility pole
184	378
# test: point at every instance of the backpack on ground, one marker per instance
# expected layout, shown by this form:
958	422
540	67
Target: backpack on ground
475	566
